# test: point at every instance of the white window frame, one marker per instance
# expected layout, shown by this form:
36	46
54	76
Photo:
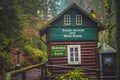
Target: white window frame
78	19
74	62
67	19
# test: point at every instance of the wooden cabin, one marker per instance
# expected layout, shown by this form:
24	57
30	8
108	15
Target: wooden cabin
72	38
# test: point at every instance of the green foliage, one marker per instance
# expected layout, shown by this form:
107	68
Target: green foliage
25	63
108	35
6	62
9	32
109	24
15	19
41	45
73	75
4	42
36	53
31	6
32	55
9	24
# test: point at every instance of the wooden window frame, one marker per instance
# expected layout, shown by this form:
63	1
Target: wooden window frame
74	62
78	19
67	19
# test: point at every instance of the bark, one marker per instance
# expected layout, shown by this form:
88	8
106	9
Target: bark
117	3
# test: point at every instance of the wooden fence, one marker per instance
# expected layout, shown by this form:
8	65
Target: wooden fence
44	69
68	67
9	75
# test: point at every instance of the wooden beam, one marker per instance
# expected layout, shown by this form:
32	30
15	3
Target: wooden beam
9	75
70	67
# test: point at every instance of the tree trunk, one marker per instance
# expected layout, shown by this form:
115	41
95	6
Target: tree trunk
117	2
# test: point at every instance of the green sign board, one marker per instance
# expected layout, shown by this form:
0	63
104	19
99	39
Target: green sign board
58	51
68	34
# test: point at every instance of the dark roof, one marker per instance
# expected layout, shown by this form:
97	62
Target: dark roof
105	48
100	25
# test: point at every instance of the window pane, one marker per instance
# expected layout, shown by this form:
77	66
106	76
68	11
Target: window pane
76	54
71	49
71	59
71	54
76	59
76	49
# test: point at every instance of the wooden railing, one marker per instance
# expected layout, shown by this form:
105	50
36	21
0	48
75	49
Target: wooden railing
71	67
83	69
44	76
9	75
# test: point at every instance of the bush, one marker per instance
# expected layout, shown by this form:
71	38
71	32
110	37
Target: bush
72	75
6	62
36	53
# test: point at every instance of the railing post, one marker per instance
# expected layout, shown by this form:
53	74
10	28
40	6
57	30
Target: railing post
24	75
43	72
8	76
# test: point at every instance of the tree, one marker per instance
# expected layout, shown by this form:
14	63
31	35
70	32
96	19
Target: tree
9	24
16	18
31	6
34	7
40	8
117	2
109	22
53	7
9	32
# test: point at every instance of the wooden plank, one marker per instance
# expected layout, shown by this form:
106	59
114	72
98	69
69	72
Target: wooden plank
60	58
90	73
105	77
60	71
82	43
88	48
88	54
89	57
70	67
59	61
88	60
92	51
89	66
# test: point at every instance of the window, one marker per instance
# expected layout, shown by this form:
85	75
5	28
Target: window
67	19
74	54
78	19
108	60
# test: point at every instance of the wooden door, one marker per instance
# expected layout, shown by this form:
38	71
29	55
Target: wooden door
109	65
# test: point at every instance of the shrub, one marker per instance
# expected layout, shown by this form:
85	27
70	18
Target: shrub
72	75
36	53
6	62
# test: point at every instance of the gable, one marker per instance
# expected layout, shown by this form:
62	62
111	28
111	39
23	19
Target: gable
72	12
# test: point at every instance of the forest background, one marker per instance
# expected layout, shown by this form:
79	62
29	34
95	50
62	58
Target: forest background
21	20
